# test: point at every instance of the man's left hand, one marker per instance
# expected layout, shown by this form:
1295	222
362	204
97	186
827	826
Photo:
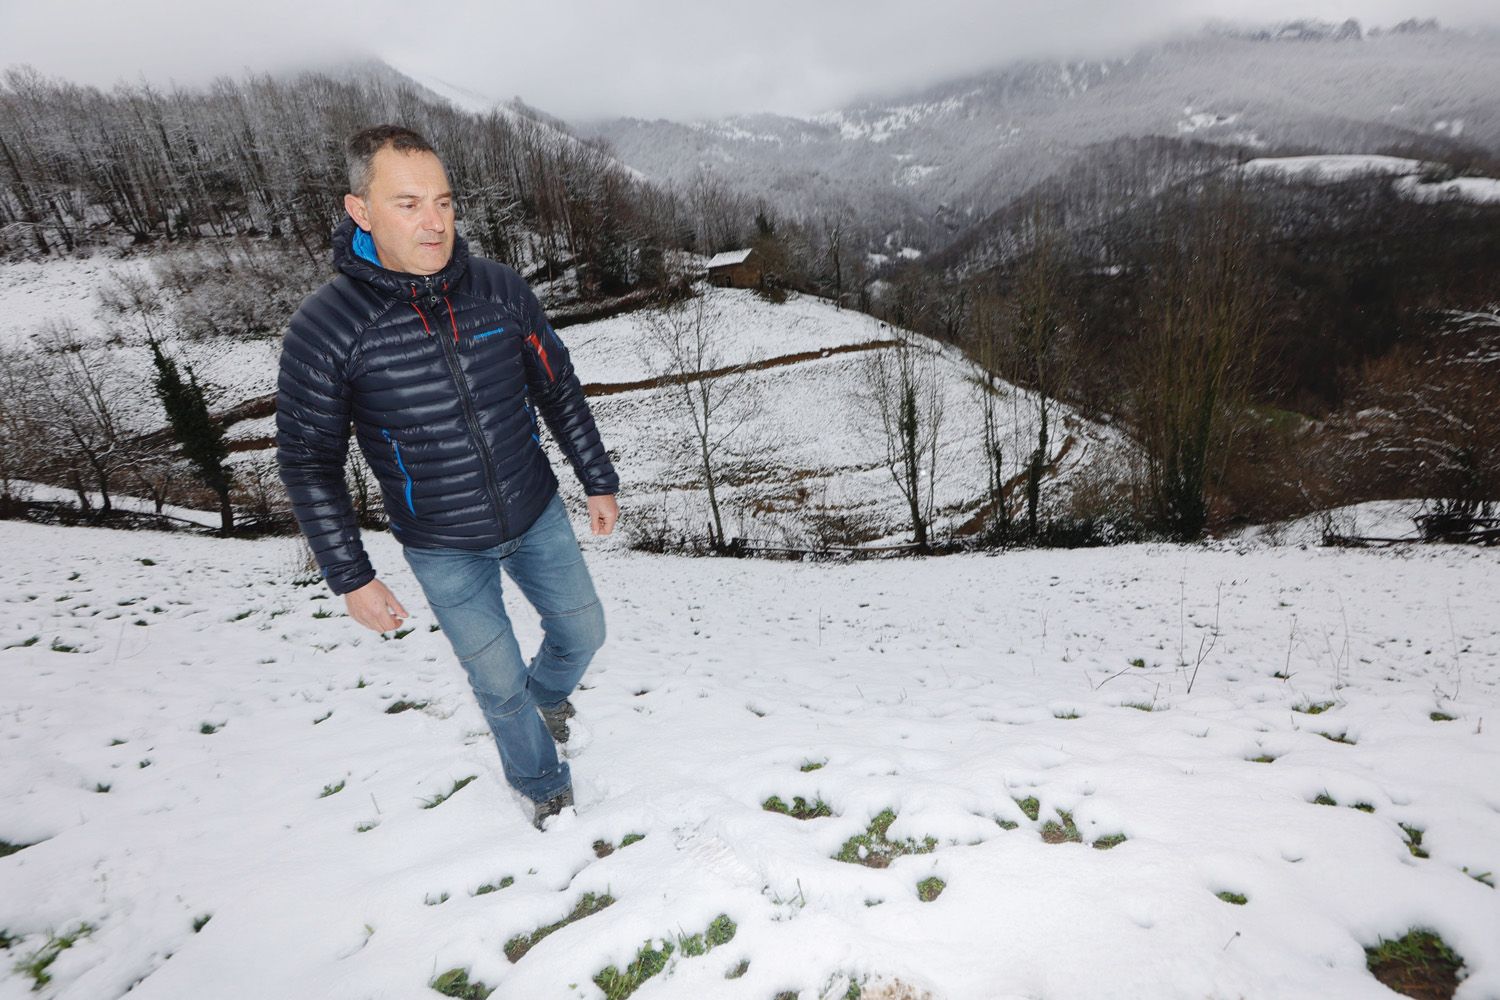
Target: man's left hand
603	512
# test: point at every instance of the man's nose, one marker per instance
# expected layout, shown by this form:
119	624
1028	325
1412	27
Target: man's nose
432	219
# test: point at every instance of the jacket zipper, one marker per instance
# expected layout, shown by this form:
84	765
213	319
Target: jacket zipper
450	354
396	450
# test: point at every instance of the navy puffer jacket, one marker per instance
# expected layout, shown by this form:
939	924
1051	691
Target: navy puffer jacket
439	374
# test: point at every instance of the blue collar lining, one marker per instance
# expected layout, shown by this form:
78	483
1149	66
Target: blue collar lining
364	245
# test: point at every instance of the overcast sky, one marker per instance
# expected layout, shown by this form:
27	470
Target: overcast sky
680	59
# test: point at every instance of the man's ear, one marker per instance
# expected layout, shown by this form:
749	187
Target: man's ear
355	206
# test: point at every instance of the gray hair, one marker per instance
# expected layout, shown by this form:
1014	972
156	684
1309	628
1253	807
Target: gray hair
359	153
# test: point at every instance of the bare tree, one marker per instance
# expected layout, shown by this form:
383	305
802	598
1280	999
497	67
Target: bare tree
1197	355
901	388
1428	419
985	323
686	345
74	397
1039	347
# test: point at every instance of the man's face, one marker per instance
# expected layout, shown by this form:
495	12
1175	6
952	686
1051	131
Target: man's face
408	212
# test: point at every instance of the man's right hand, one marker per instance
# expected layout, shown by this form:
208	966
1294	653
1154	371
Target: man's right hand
375	607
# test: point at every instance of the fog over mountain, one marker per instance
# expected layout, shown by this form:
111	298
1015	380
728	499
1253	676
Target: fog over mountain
953	151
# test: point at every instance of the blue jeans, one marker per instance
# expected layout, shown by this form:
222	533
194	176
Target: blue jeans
463	590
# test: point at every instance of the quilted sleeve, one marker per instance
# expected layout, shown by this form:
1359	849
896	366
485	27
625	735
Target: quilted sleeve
312	442
555	389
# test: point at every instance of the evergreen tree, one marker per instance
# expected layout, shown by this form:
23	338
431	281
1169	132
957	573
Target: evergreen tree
199	435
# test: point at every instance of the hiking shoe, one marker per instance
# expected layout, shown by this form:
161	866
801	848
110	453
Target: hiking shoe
557	720
551	807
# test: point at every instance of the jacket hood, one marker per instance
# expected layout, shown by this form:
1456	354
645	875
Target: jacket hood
395	284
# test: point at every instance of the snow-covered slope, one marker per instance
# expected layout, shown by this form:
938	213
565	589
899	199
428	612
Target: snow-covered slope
187	745
810	444
1330	168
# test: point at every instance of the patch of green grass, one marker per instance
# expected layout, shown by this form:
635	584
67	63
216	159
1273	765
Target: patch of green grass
400	633
631	838
1109	840
1486	878
403	705
1340	738
1030	806
210	727
1144	706
36	964
442	797
1237	898
1312	707
1440	717
323	613
1054	832
101	786
1417	964
144	762
618	984
455	983
1264	758
7	848
799	809
58	646
720	930
1324	799
1069	714
648	962
147	562
431	900
874	850
1413	840
489	887
517	947
812	765
323	717
367	826
243	615
930	888
200	920
1363	807
738	970
1138	661
116	742
25	642
331	789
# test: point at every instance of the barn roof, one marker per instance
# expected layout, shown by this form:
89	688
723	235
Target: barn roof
729	257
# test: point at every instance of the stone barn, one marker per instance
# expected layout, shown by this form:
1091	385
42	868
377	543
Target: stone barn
735	269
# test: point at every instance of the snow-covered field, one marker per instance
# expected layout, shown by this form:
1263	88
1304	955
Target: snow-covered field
1340	167
170	769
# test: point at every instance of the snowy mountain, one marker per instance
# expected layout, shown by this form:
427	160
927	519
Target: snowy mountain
943	156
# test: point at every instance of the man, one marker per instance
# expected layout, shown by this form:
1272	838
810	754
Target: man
438	358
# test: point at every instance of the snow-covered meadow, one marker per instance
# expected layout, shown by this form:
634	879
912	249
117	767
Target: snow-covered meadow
186	740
